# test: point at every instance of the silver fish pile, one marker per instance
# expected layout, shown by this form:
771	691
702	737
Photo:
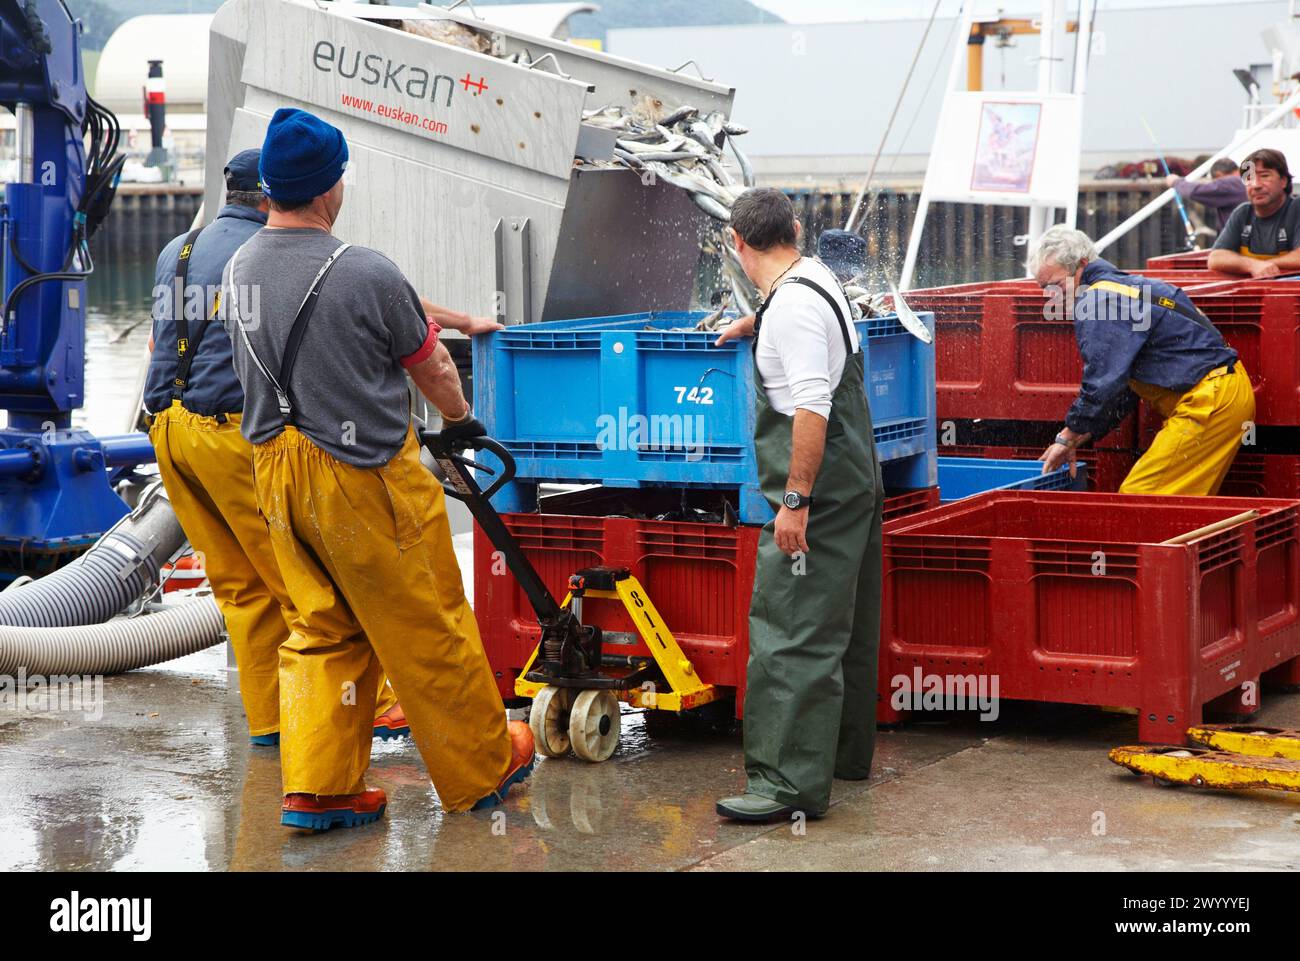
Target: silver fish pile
450	32
688	150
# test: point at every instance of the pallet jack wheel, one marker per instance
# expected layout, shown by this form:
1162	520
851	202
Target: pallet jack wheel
594	722
1165	782
549	721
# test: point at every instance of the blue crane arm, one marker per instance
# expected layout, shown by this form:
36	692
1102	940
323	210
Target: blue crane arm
55	488
44	225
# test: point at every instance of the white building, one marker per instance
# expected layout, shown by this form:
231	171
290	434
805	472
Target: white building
817	97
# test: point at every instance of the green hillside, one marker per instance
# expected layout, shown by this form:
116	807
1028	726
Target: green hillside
103	16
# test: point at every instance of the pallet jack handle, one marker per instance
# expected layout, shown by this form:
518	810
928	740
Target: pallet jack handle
461	484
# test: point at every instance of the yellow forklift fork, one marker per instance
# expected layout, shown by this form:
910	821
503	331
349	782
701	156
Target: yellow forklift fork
1249	739
1171	765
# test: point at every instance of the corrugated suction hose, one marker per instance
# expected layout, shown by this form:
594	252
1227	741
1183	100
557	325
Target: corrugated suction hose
120	645
117	570
56	625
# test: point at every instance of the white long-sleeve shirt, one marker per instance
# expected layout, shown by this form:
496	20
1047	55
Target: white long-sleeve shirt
800	353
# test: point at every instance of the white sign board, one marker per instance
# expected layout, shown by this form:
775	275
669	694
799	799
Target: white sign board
1019	149
1287	140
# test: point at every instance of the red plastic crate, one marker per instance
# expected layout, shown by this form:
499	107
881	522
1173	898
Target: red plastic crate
911	502
1106	468
1190	280
1193	261
1262	322
699	576
1188	260
1164	629
1263	475
998	358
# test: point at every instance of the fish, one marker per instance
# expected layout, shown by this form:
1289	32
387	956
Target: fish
678	115
712	207
699	131
637	146
631	159
666	157
746	169
689	152
908	319
713	320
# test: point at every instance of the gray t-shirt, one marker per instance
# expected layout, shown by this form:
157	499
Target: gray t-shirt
348	387
1261	237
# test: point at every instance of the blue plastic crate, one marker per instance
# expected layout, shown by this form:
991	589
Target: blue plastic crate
966	476
628	401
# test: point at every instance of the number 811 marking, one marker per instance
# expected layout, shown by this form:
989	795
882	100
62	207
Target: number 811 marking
694	395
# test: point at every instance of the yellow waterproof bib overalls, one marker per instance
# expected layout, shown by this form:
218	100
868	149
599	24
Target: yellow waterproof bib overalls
1202	431
367	559
207	470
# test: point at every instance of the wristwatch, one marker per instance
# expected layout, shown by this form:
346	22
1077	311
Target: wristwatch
1065	441
795	501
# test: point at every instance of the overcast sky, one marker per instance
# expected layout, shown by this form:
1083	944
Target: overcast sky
814	11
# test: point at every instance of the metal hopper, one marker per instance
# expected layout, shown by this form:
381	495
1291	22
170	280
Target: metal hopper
470	171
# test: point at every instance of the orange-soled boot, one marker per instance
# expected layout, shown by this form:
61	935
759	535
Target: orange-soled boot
522	756
392	724
320	812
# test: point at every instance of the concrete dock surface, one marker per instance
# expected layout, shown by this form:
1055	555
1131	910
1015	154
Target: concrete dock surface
166	779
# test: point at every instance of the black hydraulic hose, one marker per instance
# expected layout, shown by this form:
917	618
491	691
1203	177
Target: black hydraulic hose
23	285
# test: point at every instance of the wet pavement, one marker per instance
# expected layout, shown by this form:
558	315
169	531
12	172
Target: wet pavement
166	779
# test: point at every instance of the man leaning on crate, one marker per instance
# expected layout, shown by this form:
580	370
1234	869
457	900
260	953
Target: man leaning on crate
814	621
1141	338
1261	238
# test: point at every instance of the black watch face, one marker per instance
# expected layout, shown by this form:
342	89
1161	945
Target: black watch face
793	500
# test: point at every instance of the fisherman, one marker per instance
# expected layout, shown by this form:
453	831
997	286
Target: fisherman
1144	338
1261	237
844	252
358	525
814	622
195	404
1223	193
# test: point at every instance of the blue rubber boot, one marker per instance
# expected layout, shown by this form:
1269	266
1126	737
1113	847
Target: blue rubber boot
311	812
522	758
392	724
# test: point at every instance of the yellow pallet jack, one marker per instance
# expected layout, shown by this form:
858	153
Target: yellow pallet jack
1231	757
576	687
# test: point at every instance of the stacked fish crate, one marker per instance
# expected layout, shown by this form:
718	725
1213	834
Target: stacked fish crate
633	442
646	400
1168	605
1172	606
1007	368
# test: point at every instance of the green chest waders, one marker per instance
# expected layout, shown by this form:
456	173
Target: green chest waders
814	622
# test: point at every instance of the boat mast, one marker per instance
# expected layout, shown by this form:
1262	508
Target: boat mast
1056	75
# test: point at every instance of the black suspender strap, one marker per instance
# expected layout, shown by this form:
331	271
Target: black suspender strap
839	314
185	349
289	358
